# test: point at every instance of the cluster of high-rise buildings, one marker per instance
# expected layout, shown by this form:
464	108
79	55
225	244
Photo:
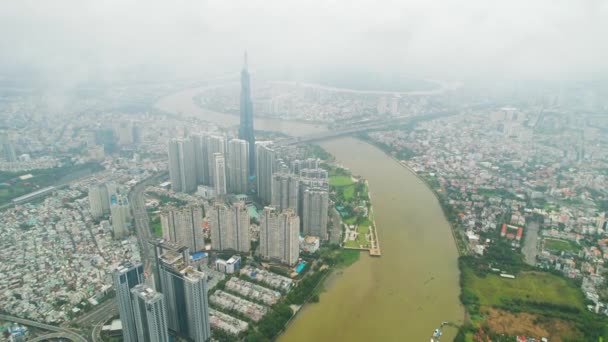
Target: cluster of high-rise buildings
209	160
179	304
105	199
293	192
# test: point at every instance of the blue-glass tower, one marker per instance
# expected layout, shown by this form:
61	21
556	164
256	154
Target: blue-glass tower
246	128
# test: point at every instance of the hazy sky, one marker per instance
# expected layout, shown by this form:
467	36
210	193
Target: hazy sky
74	40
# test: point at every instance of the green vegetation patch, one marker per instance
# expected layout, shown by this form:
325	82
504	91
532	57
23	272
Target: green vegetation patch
556	245
340	181
14	187
156	227
538	292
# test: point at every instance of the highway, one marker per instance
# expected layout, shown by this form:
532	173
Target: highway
59	332
101	313
142	222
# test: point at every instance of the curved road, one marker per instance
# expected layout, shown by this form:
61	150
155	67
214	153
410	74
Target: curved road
60	332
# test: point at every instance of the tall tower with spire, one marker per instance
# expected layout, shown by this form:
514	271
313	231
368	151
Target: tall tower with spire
246	127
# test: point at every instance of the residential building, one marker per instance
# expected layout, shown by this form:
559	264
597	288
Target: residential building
120	212
99	200
279	235
182	167
230	226
184	226
264	170
126	277
201	161
315	211
238	166
219	175
150	314
284	191
215	144
185	291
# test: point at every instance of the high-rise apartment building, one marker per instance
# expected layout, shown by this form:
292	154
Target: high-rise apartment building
99	200
215	144
126	277
219	175
315	210
150	314
184	226
264	170
230	226
120	213
284	191
182	168
238	166
201	161
185	291
279	235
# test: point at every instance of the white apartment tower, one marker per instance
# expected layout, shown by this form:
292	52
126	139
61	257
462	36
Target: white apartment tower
184	226
150	314
279	235
230	227
264	170
219	175
284	191
182	167
238	166
315	208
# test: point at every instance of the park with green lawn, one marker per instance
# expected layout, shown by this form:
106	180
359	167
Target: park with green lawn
352	202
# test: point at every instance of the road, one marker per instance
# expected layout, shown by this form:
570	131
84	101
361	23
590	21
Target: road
61	332
142	222
102	312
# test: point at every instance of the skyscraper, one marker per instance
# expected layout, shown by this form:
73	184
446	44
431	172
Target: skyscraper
182	168
99	200
215	144
185	291
201	160
120	213
150	314
246	128
184	226
230	226
126	277
285	191
264	170
279	235
219	175
238	166
315	206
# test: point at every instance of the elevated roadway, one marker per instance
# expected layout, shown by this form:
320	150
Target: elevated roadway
59	331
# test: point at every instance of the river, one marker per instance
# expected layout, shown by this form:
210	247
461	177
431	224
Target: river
403	295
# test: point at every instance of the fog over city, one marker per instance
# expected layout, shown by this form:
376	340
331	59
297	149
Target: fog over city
296	171
72	41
